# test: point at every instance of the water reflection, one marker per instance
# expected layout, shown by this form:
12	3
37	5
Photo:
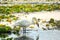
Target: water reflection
33	35
24	38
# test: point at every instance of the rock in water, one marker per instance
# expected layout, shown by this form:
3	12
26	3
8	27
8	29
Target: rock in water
23	38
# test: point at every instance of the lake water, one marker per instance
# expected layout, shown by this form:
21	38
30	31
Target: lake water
45	35
41	34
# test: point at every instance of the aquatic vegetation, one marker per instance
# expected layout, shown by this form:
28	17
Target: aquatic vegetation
5	10
47	25
15	18
51	24
5	29
28	8
58	24
3	35
8	18
9	38
16	29
51	20
16	8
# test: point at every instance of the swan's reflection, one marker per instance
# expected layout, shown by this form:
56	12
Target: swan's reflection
24	38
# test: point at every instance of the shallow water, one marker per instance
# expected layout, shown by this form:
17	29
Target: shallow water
45	35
